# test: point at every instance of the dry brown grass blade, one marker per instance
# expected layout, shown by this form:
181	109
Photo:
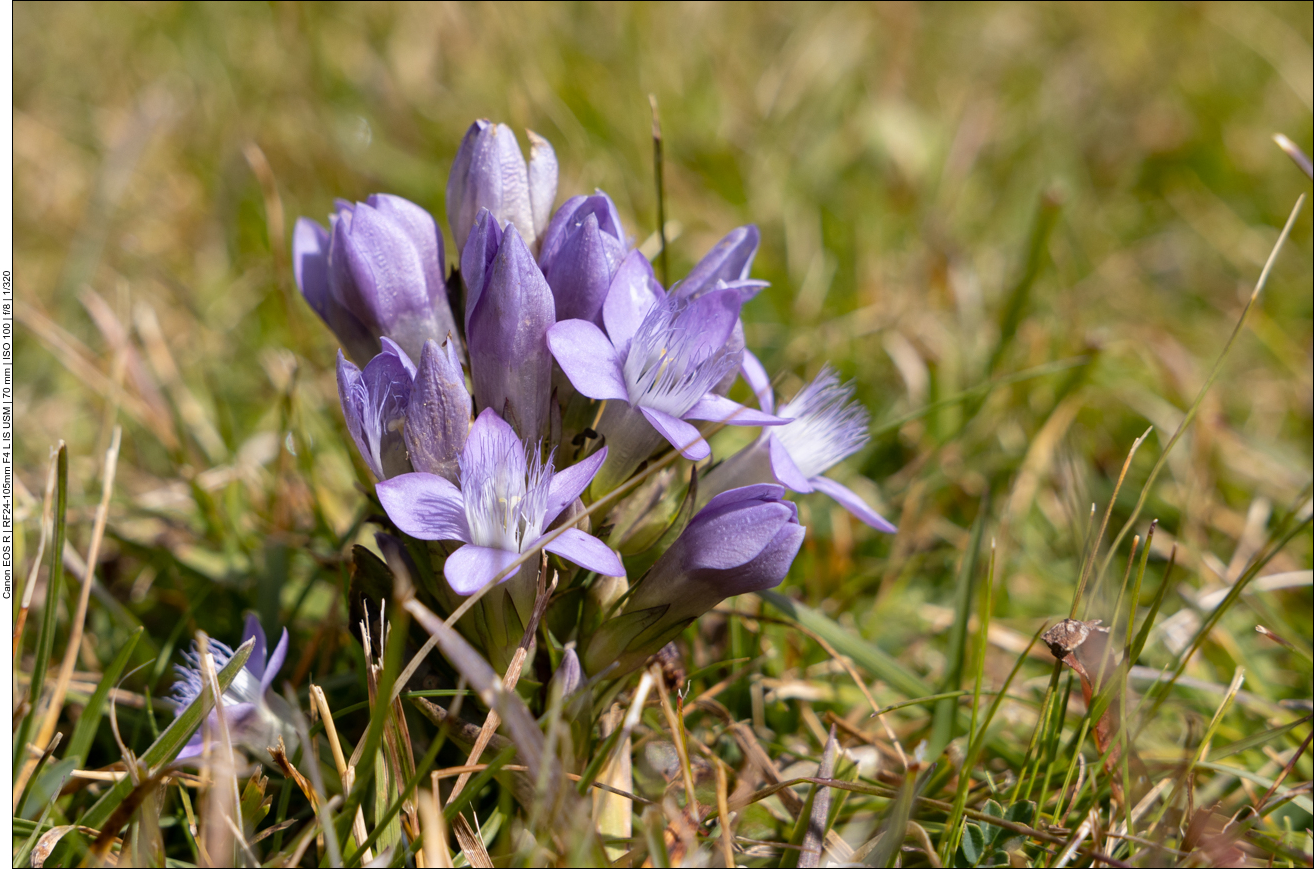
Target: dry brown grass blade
471	845
435	852
223	800
810	856
284	763
674	722
345	772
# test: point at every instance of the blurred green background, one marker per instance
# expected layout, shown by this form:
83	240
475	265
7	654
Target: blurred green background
895	156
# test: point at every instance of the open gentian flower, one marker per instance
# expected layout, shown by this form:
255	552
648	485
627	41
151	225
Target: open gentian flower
507	498
744	540
656	368
379	271
826	426
508	311
255	715
582	250
374	403
490	172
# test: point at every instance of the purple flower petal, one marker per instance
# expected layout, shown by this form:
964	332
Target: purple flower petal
509	357
438	415
684	437
391	346
559	227
568	483
420	228
386	269
274	664
310	246
582	270
588	359
759	382
784	468
542	180
756	492
477	256
424	506
252	628
712	318
461	209
587	551
493	443
633	292
310	265
471	567
730	260
849	500
716	408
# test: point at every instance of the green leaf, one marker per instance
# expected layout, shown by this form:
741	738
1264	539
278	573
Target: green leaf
172	740
89	721
994	810
973	847
864	653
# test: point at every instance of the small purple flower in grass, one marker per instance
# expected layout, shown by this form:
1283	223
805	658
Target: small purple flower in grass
490	172
582	250
256	716
380	273
826	426
743	541
656	369
507	315
374	403
506	499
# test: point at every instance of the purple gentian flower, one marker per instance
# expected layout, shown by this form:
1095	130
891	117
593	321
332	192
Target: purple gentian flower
655	368
582	250
507	316
490	172
826	426
506	499
256	716
743	541
374	403
438	413
381	273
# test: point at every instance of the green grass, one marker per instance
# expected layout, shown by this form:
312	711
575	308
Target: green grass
1026	232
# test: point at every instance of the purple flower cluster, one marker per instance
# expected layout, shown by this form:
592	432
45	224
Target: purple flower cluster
581	367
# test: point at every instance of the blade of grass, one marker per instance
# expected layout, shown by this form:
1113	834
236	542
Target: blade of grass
946	714
1208	384
45	642
84	732
953	830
